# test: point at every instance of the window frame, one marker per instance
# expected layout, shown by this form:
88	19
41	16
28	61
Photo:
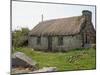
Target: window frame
38	40
60	40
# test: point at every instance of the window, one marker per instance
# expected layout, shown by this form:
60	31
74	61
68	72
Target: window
60	40
38	40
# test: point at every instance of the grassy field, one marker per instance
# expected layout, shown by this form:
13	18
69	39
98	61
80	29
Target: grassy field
77	59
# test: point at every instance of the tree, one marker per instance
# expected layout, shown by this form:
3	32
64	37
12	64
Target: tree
20	37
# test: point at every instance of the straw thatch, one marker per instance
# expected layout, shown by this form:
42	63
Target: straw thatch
62	26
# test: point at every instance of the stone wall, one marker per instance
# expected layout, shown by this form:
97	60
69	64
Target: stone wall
89	32
33	43
69	42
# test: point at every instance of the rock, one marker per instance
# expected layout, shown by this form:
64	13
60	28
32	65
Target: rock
32	49
19	59
19	71
46	69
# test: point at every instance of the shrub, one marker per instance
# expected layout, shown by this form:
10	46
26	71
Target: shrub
20	37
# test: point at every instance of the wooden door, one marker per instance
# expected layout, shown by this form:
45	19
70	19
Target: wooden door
49	43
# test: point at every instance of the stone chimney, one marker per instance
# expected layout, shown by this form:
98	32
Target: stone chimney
87	14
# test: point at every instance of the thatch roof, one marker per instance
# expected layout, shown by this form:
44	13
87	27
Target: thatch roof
62	26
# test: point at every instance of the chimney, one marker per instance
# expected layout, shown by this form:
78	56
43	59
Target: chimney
87	14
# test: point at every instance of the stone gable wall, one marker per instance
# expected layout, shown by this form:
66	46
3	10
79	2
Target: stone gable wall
90	32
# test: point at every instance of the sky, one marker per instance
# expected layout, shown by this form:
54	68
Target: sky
29	14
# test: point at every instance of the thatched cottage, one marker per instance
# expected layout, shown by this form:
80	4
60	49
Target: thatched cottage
64	33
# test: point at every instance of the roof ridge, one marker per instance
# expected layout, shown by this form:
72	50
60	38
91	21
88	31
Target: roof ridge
60	18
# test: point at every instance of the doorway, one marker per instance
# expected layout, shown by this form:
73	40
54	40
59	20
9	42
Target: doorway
49	43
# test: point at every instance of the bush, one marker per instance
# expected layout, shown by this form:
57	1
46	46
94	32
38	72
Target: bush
20	37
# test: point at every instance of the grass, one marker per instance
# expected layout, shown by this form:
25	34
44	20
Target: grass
77	59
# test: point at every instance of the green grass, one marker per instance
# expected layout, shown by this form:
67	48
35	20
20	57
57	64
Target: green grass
77	59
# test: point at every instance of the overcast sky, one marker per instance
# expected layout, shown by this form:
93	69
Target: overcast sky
27	14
